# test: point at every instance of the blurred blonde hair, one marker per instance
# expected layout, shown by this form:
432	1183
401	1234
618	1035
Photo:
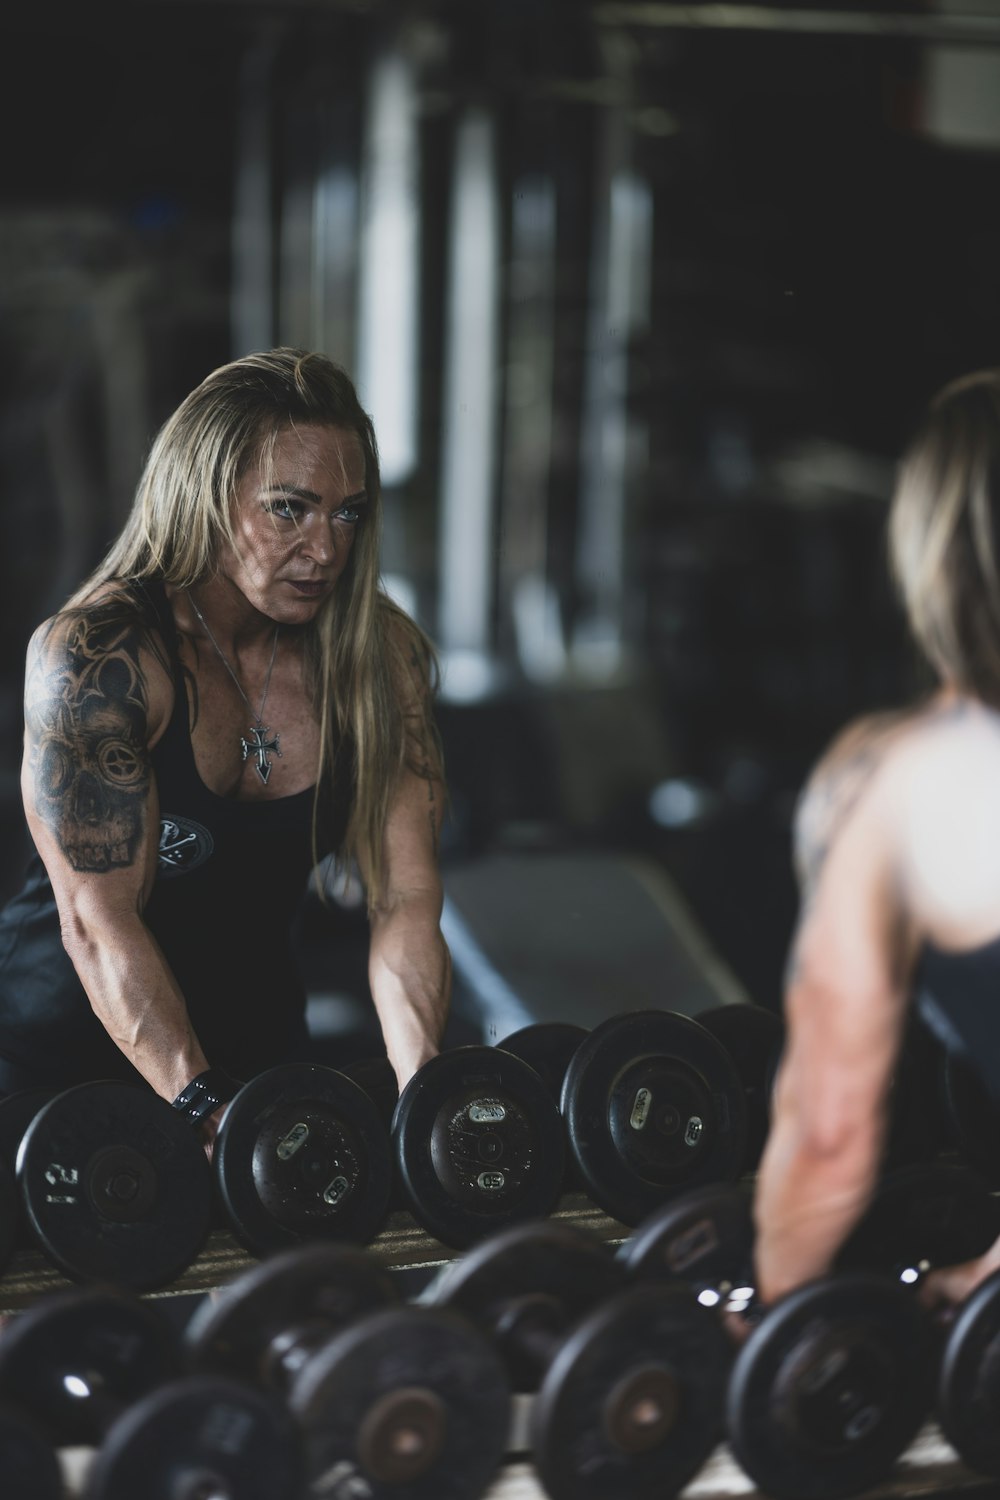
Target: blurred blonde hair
370	670
944	527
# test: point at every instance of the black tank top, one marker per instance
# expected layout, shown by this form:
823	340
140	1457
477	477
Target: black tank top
230	875
958	995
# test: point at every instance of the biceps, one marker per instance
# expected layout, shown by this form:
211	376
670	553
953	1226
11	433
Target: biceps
412	834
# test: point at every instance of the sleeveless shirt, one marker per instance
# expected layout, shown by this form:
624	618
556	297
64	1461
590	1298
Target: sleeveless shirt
230	875
958	995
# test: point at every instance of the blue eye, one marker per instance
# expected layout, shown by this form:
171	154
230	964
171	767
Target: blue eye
287	510
351	514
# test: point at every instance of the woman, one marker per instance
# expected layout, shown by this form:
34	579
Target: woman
898	855
226	700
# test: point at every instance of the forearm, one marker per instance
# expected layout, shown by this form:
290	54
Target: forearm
409	972
137	1000
808	1199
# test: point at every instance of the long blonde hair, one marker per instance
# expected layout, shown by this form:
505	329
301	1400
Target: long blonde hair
944	528
370	670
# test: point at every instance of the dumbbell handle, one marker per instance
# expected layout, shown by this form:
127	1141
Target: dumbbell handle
529	1330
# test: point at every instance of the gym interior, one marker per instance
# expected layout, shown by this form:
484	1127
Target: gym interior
644	300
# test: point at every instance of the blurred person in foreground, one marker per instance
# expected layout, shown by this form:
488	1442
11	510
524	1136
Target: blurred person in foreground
897	848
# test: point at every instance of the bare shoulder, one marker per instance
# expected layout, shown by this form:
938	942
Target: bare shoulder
412	659
854	762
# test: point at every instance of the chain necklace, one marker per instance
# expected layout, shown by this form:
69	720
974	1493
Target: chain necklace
260	745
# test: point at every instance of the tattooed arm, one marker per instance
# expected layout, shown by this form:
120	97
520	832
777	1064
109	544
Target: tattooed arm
845	1001
409	966
96	695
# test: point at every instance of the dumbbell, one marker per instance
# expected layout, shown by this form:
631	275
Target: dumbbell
99	1368
29	1464
833	1380
114	1184
628	1382
921	1216
753	1038
390	1399
653	1106
478	1144
968	1393
302	1153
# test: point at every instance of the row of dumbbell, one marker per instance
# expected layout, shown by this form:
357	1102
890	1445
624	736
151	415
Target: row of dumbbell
309	1374
115	1185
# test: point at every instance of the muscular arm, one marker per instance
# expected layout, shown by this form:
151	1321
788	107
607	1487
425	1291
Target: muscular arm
845	1003
409	966
90	799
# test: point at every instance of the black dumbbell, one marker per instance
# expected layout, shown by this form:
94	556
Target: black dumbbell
478	1144
390	1399
628	1382
653	1106
919	1217
302	1153
754	1038
833	1380
29	1464
546	1046
101	1368
968	1394
377	1077
115	1185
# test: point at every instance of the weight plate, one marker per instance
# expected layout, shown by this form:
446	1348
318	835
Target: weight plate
632	1403
479	1144
28	1463
546	1046
408	1402
302	1154
704	1238
10	1214
260	1323
969	1380
543	1276
937	1214
830	1388
377	1077
16	1113
74	1357
200	1436
972	1116
753	1038
653	1106
116	1185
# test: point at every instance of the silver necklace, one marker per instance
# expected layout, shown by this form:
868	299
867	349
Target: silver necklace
259	746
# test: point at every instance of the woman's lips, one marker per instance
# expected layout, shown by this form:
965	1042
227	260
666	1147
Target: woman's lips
311	590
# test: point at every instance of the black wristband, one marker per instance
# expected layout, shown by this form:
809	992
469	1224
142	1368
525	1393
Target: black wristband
204	1094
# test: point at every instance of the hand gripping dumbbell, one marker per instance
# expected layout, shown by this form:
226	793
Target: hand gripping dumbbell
114	1184
628	1382
101	1369
653	1106
390	1399
832	1381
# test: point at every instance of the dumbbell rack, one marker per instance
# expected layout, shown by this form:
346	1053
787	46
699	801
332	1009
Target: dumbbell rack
928	1469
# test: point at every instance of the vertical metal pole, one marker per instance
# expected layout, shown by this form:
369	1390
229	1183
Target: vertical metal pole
252	310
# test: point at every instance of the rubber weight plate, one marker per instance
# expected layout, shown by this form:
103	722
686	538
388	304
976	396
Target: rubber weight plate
10	1214
377	1077
939	1214
546	1046
554	1271
16	1113
302	1154
479	1144
830	1388
116	1185
263	1319
704	1238
28	1464
199	1437
632	1404
969	1380
653	1106
410	1402
753	1038
74	1358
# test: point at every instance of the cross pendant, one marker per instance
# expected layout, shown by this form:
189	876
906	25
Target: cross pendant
259	747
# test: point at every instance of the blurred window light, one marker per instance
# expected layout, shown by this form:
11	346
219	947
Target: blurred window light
251	297
467	676
678	802
538	628
471	337
402	592
388	296
335	238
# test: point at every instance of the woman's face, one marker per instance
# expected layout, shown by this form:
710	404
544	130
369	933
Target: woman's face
295	526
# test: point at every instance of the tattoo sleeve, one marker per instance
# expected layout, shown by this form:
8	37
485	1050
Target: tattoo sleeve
423	751
86	721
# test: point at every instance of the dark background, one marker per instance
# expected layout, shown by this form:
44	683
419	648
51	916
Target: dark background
819	193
